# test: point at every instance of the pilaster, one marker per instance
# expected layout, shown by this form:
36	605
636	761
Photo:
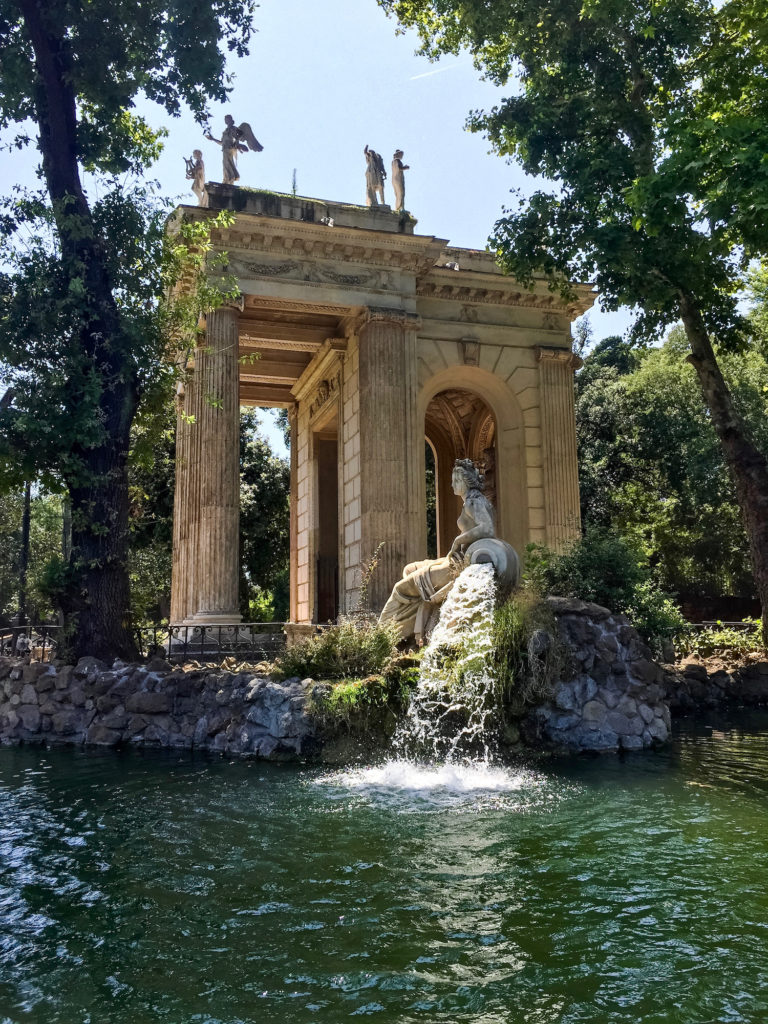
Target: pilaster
390	440
558	423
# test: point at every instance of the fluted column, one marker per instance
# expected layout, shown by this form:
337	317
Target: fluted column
294	515
217	461
390	441
558	424
183	558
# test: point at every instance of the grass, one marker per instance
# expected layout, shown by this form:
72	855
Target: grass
353	649
528	655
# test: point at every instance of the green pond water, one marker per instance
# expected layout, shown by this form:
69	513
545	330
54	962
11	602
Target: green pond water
146	888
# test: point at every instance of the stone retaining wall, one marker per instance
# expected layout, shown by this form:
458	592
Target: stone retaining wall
154	705
694	685
616	696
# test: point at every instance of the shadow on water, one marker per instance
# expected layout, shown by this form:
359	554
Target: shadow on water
150	887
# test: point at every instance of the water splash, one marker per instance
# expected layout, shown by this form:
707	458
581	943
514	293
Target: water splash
413	787
451	710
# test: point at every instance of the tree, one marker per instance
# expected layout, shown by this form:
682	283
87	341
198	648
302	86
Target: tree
82	324
264	520
651	467
651	123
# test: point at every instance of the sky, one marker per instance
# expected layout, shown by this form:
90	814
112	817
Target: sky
325	78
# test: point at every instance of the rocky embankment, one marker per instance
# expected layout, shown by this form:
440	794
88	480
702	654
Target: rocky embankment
155	705
694	685
612	696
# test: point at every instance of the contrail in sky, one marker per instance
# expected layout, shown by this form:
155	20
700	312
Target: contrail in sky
437	71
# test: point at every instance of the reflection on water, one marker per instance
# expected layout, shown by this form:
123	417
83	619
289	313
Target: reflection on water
148	888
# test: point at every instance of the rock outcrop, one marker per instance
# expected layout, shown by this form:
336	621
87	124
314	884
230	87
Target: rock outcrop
615	696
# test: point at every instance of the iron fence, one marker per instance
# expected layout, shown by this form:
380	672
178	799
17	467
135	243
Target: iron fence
39	643
244	641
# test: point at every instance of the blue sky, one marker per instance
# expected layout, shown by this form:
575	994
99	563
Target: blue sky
323	80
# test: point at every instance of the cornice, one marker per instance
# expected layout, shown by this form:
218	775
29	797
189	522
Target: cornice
322	367
473	287
563	356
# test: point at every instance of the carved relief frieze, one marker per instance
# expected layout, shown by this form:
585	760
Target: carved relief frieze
326	390
339	249
315	273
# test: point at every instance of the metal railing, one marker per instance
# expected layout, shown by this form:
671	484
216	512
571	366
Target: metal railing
39	643
244	641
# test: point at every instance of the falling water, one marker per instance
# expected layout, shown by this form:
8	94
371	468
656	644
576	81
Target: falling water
451	710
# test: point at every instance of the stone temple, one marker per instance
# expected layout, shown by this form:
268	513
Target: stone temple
376	340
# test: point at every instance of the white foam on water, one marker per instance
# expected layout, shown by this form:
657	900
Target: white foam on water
457	777
409	785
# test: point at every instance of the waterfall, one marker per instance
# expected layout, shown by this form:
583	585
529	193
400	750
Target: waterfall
451	711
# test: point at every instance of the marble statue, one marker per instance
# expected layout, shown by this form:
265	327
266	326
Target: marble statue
196	174
374	177
398	179
415	599
234	139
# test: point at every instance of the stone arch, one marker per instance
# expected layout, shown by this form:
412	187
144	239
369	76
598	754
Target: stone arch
506	427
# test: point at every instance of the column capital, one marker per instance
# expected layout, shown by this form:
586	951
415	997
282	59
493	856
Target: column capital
559	355
236	305
388	315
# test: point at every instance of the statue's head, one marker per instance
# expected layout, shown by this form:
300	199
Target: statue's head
228	119
397	154
466	469
197	154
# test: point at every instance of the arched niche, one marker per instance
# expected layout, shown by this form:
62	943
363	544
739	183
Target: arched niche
469	413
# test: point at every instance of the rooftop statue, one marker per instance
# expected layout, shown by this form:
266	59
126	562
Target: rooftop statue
196	174
234	139
415	599
398	179
375	176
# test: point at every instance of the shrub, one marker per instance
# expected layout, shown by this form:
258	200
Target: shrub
608	569
350	650
727	642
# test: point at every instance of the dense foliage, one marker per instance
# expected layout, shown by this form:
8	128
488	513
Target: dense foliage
354	648
651	467
610	571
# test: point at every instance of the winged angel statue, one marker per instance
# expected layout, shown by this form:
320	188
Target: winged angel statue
234	139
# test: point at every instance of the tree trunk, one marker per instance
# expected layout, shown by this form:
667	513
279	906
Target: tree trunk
26	516
748	466
97	603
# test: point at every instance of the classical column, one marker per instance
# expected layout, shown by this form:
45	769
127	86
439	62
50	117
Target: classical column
182	560
390	437
293	420
217	461
558	425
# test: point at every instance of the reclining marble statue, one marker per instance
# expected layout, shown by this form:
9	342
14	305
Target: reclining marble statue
415	600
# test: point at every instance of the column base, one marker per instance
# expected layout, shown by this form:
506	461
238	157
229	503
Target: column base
295	632
212	619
